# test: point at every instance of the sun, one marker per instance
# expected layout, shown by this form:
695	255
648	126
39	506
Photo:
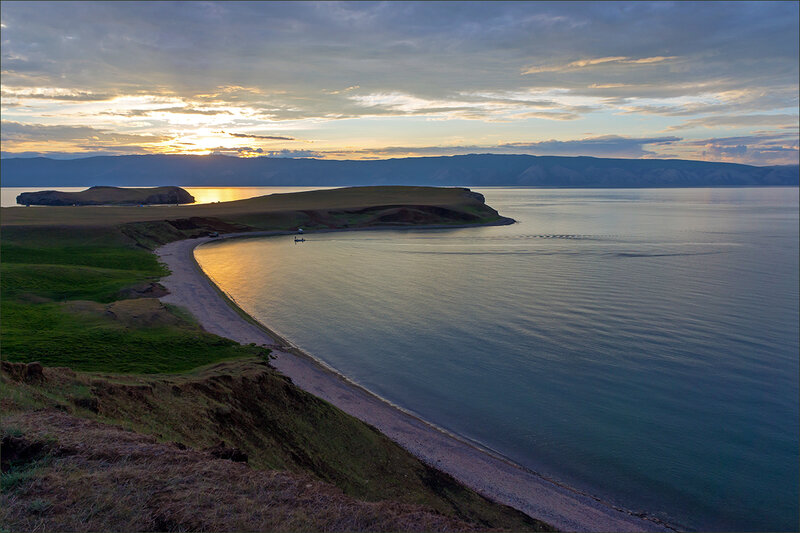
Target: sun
200	141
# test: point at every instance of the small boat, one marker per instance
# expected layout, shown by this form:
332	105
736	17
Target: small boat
301	239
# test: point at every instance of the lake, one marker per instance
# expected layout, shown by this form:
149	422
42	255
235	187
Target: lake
641	345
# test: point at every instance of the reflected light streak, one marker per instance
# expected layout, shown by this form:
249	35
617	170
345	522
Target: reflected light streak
208	195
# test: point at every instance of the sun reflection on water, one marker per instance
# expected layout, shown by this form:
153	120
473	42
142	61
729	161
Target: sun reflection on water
208	195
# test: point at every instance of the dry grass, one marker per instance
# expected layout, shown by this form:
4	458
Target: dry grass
96	477
252	408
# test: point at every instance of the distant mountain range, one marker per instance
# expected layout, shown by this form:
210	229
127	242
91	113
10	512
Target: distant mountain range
467	170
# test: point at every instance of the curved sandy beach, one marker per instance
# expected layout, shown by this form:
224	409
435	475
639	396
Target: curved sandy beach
491	475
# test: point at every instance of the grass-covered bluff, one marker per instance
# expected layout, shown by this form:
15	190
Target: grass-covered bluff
77	296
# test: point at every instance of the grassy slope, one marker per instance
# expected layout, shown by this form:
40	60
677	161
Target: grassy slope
264	212
60	306
125	481
43	270
249	405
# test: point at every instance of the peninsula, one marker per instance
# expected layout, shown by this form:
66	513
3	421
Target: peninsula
185	397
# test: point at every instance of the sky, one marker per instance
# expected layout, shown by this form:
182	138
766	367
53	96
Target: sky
712	81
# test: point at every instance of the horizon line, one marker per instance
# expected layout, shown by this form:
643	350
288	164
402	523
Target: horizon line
9	157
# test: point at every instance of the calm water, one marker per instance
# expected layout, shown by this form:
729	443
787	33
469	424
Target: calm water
639	344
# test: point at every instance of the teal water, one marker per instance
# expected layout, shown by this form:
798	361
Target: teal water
641	345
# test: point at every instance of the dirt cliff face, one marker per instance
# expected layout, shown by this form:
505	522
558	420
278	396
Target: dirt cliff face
125	481
108	196
235	446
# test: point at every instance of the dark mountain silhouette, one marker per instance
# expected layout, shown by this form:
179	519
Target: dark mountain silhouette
467	170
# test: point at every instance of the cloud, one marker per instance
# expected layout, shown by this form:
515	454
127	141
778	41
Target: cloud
571	65
18	137
347	89
648	60
488	106
293	153
583	63
603	146
164	69
247	151
736	121
759	149
279	45
188	110
721	152
254	136
55	94
70	155
16	132
547	115
753	155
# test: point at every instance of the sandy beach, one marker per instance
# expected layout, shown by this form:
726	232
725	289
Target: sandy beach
492	476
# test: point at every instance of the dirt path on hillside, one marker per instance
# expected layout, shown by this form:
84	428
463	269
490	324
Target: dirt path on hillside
494	477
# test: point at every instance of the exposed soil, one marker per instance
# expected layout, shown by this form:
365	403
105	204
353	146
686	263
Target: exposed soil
242	411
143	290
96	477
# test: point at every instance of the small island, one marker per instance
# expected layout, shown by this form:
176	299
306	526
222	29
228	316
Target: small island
108	196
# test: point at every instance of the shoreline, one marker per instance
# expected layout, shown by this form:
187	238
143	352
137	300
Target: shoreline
487	472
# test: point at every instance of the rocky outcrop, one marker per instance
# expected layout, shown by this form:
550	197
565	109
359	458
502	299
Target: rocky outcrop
30	372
